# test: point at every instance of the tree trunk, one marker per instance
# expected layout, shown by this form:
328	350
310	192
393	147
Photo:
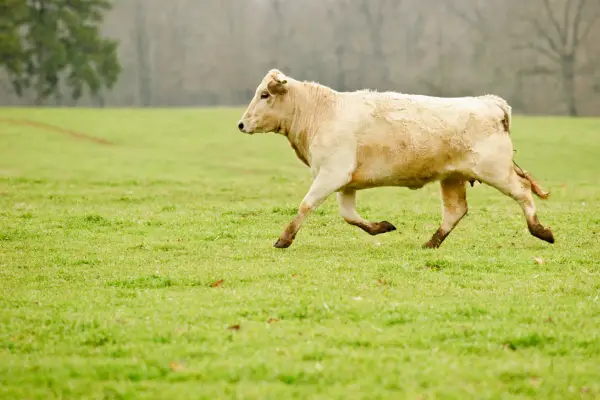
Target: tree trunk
39	52
143	62
39	98
568	78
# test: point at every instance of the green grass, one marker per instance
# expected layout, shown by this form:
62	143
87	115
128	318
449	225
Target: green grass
108	254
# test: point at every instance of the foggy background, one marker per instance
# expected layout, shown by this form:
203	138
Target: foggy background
543	56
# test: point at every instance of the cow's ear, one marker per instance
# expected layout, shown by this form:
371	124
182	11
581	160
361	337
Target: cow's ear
281	78
277	87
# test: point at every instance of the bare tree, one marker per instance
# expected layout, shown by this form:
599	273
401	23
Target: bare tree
142	49
414	28
178	37
376	14
472	14
341	31
558	39
434	81
282	30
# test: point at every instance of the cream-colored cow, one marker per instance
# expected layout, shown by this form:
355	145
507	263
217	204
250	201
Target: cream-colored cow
360	140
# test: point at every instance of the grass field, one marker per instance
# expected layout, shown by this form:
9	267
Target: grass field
109	254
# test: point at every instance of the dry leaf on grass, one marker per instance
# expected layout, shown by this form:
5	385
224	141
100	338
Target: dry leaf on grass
236	327
218	283
535	381
538	260
509	346
176	366
273	320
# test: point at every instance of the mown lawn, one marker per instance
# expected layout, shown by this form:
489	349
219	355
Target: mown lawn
108	255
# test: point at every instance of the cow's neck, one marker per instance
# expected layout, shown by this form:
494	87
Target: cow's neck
312	103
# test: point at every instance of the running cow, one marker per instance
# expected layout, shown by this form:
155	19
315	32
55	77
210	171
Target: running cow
364	139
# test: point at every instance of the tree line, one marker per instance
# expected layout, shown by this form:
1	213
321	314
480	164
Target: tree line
541	55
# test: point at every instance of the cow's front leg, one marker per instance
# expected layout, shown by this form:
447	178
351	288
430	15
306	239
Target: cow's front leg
324	184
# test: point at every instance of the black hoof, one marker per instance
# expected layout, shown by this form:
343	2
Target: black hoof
386	227
541	232
282	244
378	228
546	235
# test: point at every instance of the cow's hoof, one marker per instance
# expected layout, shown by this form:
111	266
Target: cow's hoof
542	233
385	226
282	244
430	245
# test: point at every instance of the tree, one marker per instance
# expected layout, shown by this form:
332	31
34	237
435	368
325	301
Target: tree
342	30
559	41
51	45
142	50
472	14
13	13
375	13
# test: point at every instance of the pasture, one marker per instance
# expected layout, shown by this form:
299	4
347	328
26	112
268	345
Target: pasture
141	266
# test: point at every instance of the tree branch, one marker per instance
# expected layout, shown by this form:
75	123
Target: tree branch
478	15
588	29
567	18
561	33
545	35
474	23
540	49
577	24
538	71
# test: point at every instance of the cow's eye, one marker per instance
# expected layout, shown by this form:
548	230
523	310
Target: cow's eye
265	95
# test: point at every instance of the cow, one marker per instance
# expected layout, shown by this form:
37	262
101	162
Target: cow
365	139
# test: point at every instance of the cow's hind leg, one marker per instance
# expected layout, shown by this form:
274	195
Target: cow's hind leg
454	207
347	203
519	188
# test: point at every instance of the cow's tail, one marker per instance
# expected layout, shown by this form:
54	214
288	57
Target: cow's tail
535	187
505	107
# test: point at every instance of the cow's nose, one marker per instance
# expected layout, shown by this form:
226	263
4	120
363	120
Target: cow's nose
241	126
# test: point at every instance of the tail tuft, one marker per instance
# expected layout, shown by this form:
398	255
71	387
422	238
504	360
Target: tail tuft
535	187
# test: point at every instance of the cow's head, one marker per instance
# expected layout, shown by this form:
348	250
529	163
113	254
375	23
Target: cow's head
270	108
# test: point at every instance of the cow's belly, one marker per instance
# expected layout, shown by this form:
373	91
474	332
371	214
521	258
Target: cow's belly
364	179
411	171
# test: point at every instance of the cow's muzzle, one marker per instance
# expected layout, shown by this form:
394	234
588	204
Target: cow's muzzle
244	127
